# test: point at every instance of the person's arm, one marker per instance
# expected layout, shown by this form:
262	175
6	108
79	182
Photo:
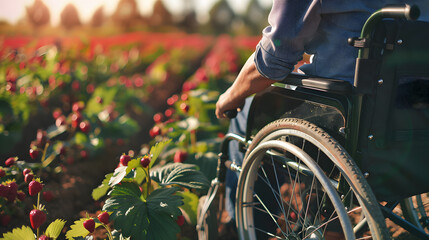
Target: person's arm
248	82
293	23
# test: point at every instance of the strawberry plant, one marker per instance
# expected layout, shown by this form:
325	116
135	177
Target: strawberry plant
149	196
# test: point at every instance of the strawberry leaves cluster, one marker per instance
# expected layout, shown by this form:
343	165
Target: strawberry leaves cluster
146	191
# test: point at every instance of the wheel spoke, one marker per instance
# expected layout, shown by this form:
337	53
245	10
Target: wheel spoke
269	234
269	213
279	192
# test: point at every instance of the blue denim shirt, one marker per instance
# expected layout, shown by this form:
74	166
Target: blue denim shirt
320	28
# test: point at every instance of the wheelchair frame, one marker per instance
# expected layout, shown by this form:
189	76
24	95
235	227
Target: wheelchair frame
329	92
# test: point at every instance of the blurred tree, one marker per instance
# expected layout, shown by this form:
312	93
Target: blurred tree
38	14
160	15
70	17
126	13
98	18
221	17
256	17
189	22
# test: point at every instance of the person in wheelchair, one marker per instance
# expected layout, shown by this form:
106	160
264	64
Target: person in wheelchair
318	28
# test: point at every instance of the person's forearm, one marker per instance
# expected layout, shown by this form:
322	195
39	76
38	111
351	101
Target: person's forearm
248	82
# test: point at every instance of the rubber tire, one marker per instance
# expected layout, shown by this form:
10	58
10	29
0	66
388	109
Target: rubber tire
340	158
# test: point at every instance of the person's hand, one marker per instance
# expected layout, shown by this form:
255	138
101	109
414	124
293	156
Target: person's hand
227	102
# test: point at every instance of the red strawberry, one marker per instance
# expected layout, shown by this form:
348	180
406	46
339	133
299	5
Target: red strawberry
26	171
44	237
13	186
184	107
28	178
169	112
78	106
48	196
84	126
34	187
12	191
99	99
120	141
89	225
37	218
158	117
75	85
2	173
180	156
57	113
180	220
10	161
34	153
76	119
184	97
145	161
155	131
104	217
41	137
84	154
124	159
4	190
61	120
4	219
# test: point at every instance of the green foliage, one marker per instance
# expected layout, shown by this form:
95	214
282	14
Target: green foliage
118	175
24	233
140	219
78	230
190	205
185	175
102	189
156	150
54	229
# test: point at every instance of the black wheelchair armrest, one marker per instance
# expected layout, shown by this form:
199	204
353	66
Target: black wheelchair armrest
322	84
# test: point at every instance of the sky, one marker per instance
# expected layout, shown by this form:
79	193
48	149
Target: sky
13	10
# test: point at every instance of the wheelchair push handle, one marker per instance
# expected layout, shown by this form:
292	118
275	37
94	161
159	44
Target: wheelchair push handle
401	11
231	113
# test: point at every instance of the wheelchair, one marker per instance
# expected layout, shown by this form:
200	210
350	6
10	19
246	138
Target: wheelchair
337	159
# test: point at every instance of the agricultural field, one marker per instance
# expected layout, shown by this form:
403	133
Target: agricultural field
109	126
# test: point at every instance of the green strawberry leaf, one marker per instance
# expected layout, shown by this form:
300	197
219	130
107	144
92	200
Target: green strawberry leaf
190	205
118	175
156	150
185	175
163	209
78	230
24	233
129	211
102	189
140	175
54	229
135	163
139	219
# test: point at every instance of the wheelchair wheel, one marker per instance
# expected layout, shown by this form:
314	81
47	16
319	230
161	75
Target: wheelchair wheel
415	209
290	188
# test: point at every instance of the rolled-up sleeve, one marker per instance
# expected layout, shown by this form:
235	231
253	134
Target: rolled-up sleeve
293	23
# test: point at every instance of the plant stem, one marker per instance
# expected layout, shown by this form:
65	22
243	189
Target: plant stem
37	206
194	140
109	234
149	187
38	200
